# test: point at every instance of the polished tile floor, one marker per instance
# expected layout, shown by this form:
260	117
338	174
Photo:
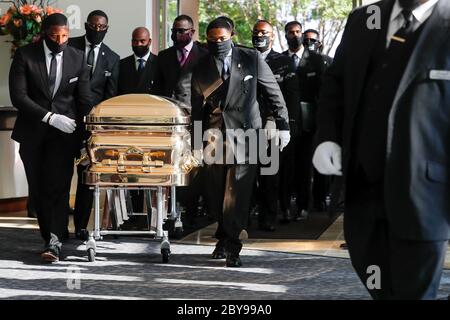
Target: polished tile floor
328	245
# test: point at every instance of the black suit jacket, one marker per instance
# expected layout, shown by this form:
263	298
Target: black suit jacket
131	81
249	76
417	172
286	76
310	72
173	81
30	94
106	74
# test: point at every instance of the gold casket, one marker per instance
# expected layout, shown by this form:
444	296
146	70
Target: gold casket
139	140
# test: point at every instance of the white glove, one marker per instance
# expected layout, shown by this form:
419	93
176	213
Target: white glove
284	137
327	159
63	123
270	130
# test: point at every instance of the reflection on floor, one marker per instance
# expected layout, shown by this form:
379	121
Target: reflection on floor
327	245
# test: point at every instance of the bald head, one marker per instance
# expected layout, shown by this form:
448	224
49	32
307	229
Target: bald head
141	41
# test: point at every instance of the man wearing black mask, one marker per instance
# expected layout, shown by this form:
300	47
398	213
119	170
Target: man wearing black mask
173	79
383	124
279	186
49	85
103	64
311	41
175	64
310	67
137	72
225	86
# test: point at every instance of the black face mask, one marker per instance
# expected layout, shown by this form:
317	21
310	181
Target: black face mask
94	36
53	46
261	43
140	51
409	4
181	40
220	49
295	43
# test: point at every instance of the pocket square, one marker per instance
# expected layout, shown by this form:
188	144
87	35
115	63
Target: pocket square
108	74
311	74
440	74
73	80
248	78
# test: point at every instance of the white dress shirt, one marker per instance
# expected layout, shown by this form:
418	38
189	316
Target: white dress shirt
420	15
96	51
299	54
145	58
188	50
59	63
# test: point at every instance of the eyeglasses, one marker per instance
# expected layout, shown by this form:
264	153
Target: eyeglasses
310	40
180	30
99	27
264	33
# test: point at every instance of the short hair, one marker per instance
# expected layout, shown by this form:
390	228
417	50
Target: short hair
219	23
98	13
229	20
292	23
263	21
56	19
312	31
184	17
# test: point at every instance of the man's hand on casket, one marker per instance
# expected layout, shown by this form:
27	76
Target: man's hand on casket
63	123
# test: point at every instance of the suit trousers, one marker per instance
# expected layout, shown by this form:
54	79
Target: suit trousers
409	269
49	169
83	202
228	191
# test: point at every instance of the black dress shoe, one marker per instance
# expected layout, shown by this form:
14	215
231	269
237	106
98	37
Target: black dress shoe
82	235
51	254
218	253
233	261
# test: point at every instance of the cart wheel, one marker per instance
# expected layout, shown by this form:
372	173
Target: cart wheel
91	255
165	255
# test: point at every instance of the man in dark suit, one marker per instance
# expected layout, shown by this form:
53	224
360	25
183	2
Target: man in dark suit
272	188
310	67
385	108
175	64
311	41
225	86
49	85
137	72
103	64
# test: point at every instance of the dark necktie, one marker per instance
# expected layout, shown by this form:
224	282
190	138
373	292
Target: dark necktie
52	74
402	35
141	65
224	72
295	60
91	59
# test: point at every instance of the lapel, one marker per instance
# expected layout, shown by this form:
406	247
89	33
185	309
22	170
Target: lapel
364	51
235	75
191	58
432	37
99	65
208	79
142	77
43	68
173	60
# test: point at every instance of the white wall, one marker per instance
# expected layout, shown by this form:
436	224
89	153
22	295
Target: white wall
124	16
